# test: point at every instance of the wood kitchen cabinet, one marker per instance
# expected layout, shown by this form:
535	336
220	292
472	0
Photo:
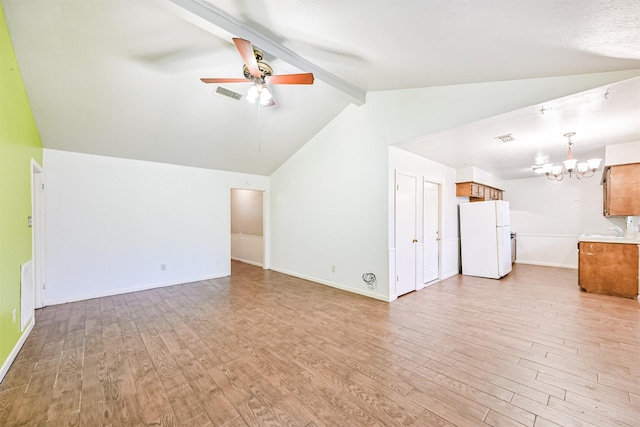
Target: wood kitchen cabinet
621	190
470	189
608	268
492	194
477	192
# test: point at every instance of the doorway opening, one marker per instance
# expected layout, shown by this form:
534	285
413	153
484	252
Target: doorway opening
247	226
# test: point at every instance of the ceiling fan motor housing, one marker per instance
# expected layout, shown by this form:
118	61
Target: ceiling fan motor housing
265	71
259	72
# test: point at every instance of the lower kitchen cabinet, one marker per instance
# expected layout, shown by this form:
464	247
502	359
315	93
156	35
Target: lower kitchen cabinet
608	268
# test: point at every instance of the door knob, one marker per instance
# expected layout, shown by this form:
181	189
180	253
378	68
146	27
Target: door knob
415	240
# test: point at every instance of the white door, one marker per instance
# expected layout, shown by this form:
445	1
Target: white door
406	233
37	241
431	231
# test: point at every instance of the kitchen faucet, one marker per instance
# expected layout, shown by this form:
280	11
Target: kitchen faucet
617	229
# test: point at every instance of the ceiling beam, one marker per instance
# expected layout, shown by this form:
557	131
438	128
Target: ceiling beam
228	23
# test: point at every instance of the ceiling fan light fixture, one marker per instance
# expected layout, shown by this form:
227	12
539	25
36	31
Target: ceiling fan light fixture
260	93
266	99
259	73
253	94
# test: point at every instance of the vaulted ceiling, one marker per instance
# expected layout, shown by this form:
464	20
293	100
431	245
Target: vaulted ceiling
122	78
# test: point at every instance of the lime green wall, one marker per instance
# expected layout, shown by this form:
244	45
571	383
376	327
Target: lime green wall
19	142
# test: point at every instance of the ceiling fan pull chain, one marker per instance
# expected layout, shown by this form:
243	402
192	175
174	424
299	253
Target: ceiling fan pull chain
259	128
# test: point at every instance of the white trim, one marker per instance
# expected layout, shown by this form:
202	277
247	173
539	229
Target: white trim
134	289
450	274
251	236
431	283
392	272
547	264
246	261
38	223
420	256
16	349
566	236
334	285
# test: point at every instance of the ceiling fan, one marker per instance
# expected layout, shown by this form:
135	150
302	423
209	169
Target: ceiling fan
261	74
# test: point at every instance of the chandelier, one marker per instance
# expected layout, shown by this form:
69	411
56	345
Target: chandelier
581	170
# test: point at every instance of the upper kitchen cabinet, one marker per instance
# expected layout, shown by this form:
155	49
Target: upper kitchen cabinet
621	190
478	185
477	192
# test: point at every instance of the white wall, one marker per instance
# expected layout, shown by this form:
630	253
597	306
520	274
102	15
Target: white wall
474	174
247	212
549	216
426	170
620	154
329	208
111	223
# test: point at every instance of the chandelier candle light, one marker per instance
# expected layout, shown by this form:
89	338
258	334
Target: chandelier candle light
582	170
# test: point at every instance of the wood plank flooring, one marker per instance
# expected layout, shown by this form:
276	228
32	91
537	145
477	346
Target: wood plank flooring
261	348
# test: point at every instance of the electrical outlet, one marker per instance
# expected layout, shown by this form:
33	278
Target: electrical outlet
14	315
333	268
163	267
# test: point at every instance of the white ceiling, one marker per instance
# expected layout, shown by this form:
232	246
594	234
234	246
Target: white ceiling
599	117
121	78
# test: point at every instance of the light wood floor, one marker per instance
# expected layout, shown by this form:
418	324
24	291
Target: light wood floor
261	348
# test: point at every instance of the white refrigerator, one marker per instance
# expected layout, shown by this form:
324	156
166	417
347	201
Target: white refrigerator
485	237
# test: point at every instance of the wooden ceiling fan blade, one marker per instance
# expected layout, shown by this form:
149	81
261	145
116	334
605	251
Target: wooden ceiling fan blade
225	80
291	79
246	52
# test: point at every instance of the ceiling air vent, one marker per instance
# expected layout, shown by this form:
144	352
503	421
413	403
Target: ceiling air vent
228	93
505	138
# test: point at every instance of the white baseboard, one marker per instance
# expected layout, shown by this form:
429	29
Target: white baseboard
334	285
450	274
91	295
16	349
246	261
547	264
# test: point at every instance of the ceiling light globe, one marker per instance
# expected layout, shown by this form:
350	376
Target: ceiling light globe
570	164
594	164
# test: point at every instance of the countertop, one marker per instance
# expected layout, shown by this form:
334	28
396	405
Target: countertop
609	238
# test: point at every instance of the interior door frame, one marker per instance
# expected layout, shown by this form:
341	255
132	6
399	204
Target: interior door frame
38	233
266	231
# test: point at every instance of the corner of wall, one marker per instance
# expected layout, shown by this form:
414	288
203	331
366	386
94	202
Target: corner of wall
19	143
